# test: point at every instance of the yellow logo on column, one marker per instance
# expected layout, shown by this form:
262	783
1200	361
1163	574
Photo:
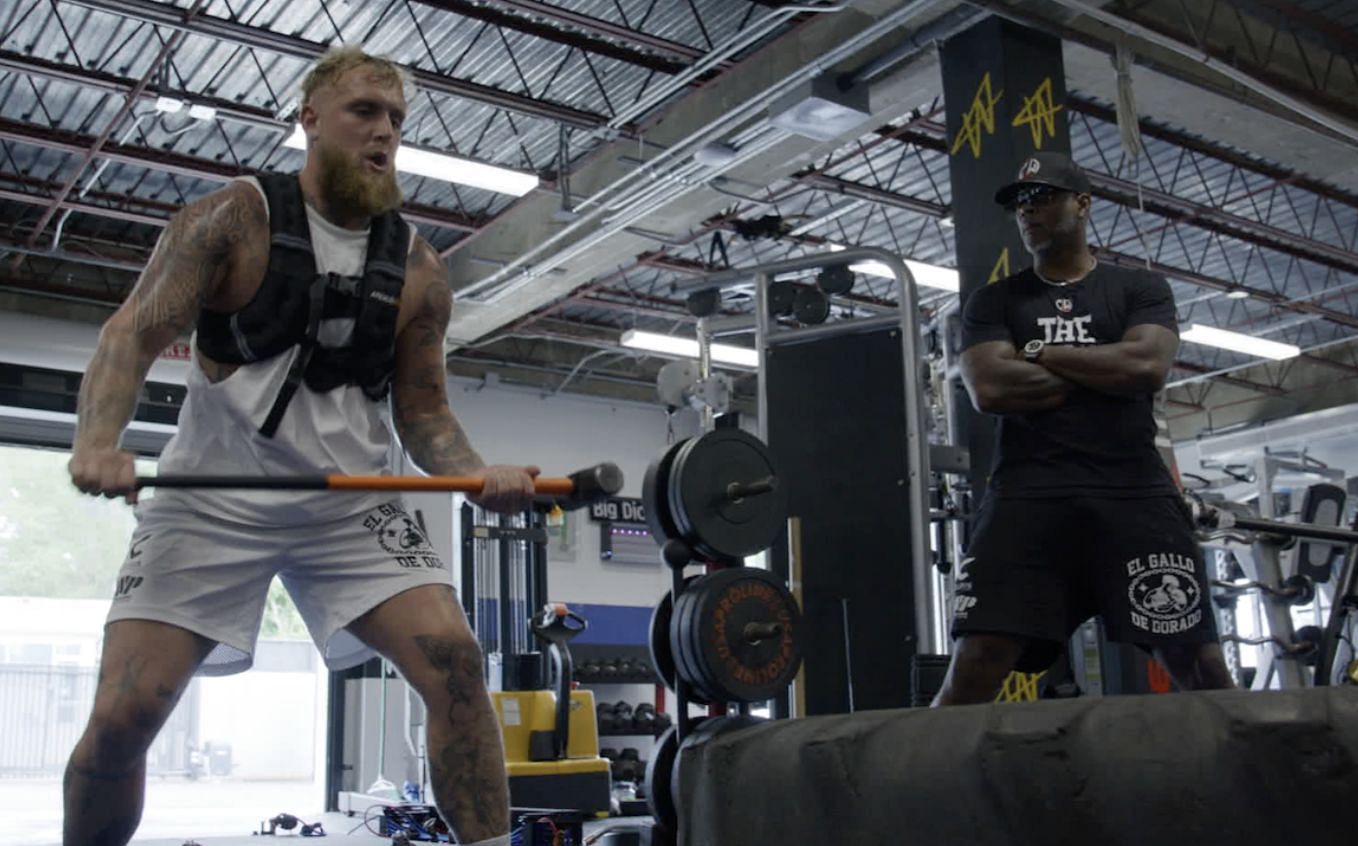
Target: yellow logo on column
1039	113
1019	687
980	118
1001	268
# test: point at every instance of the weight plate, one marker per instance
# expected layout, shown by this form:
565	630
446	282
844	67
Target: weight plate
734	660
662	658
659	789
836	279
682	648
655	496
782	295
811	306
699	479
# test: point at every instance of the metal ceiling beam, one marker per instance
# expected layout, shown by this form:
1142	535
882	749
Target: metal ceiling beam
1257	387
602	27
1219	39
232	32
191	166
1228	155
1273	299
895	200
1173	208
577	37
1125	193
1302	22
1200	73
83	208
835	185
129	104
90	78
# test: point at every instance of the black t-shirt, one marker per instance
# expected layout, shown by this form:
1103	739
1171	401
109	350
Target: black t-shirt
1094	444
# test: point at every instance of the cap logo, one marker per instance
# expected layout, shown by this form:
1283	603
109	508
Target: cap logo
1030	168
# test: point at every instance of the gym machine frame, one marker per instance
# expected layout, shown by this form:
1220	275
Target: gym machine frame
926	582
1267	538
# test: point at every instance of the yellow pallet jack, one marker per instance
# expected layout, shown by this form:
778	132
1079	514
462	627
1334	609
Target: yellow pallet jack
551	736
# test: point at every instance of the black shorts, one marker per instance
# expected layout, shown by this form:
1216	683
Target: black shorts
1039	568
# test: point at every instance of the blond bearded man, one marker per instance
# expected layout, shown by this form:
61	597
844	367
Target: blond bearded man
320	319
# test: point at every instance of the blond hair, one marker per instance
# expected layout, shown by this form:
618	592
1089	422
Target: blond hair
338	61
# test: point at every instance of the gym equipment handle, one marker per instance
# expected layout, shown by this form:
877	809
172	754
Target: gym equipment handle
1211	517
577	489
737	491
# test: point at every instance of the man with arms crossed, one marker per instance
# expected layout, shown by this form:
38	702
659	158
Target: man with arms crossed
313	300
1082	515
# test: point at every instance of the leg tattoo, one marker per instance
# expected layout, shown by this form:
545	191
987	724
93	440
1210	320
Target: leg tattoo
466	755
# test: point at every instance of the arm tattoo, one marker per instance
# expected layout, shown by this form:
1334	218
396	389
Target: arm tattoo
429	431
189	263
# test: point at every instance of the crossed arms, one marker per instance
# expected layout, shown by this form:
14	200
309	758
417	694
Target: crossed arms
1000	381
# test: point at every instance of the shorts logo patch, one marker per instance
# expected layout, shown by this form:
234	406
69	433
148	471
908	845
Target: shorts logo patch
960	576
125	586
1164	593
962	606
400	537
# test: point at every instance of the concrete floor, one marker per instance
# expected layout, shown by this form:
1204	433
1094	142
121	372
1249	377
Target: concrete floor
209	812
176	810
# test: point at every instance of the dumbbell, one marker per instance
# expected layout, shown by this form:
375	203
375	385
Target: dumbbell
611	755
643	718
608	718
630	767
622	716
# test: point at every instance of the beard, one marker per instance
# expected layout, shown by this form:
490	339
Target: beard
349	189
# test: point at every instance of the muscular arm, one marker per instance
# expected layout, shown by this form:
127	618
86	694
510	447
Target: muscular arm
190	262
1135	365
1002	383
428	429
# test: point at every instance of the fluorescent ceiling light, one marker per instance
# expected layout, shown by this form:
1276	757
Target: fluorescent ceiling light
169	105
928	275
1247	344
448	168
1237	294
688	348
198	112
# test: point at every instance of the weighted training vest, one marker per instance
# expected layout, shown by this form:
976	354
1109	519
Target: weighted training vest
296	306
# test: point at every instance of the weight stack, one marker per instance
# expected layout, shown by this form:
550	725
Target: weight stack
926	678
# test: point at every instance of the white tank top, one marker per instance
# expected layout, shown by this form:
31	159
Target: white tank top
338	431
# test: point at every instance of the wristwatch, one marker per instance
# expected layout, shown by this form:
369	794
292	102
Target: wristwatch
1032	350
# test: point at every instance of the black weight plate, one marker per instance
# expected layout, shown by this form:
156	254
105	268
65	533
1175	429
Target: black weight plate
811	306
662	658
836	279
655	496
659	640
713	524
659	790
682	647
702	682
781	297
734	669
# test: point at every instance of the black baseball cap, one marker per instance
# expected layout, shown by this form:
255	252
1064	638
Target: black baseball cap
1054	169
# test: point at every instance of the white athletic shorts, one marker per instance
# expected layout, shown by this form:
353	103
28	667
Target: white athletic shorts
212	577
